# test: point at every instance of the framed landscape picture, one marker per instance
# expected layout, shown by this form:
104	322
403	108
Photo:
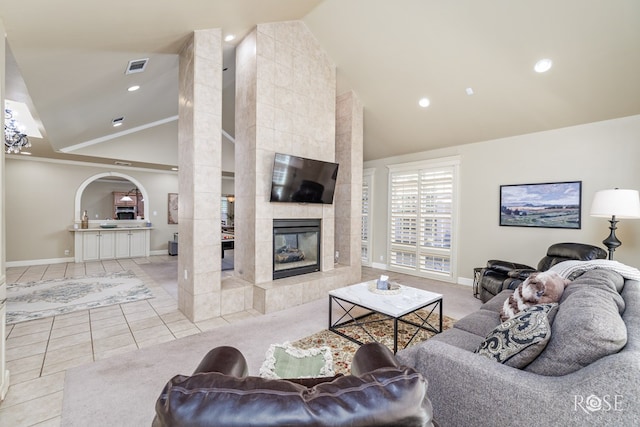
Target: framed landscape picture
548	205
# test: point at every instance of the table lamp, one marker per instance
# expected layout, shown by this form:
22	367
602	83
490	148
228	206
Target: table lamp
617	204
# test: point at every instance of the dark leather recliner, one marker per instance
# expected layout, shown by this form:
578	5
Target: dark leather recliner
379	392
500	275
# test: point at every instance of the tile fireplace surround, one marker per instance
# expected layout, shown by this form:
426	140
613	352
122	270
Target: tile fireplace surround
286	102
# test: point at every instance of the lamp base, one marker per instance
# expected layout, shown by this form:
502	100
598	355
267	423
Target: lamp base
612	242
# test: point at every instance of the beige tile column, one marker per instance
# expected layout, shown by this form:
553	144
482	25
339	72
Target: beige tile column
348	197
4	374
199	183
246	157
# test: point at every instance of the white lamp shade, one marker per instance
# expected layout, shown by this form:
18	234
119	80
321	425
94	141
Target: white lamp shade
619	203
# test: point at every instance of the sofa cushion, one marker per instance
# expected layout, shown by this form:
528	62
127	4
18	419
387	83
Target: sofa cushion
608	282
519	340
587	327
496	303
455	337
480	322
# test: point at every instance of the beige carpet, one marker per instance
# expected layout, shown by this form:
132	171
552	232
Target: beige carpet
122	390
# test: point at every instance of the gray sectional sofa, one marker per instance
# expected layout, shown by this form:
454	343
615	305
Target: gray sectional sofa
587	373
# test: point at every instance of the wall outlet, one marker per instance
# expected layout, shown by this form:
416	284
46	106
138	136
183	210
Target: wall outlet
67	252
381	257
186	274
337	255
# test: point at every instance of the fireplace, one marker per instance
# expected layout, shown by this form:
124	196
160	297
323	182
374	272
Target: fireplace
296	247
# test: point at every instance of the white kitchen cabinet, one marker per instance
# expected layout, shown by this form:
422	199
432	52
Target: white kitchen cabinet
139	243
131	243
98	244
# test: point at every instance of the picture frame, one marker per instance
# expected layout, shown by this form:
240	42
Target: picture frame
542	205
172	213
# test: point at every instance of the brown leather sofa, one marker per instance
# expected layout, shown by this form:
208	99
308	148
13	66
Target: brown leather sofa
500	275
379	392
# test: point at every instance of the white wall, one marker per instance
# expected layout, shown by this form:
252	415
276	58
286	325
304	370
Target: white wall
602	155
40	198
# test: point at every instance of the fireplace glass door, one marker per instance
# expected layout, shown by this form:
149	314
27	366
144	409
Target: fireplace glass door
296	247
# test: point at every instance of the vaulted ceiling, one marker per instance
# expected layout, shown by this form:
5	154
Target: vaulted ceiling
67	60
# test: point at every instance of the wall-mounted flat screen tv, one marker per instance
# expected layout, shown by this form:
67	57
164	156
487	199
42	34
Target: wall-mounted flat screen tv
299	180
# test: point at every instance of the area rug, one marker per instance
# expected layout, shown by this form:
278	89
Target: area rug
35	300
343	349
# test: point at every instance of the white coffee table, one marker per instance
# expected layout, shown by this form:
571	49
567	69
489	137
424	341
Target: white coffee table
395	306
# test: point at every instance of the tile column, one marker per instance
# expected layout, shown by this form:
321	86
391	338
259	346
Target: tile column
348	197
199	183
4	374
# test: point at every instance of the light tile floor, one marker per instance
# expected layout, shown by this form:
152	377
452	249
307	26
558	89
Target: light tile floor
40	351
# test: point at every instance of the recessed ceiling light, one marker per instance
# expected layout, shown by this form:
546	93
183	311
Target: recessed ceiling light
424	102
133	88
469	91
229	37
174	169
25	153
543	65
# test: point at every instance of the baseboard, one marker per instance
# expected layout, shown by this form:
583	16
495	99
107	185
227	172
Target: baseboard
159	252
379	266
30	262
465	281
4	385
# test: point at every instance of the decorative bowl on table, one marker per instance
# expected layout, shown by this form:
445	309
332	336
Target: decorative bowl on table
393	289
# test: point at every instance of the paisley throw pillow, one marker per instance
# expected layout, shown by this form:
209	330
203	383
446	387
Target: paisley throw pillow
518	341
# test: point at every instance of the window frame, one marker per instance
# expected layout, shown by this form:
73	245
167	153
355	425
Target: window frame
367	178
415	249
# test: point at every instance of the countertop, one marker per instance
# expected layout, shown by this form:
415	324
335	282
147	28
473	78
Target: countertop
119	228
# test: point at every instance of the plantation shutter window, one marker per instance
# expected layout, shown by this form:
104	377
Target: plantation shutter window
422	201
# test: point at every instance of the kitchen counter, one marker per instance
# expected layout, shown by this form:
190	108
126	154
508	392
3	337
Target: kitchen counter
123	241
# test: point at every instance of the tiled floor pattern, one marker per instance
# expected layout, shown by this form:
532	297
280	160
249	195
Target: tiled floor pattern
40	351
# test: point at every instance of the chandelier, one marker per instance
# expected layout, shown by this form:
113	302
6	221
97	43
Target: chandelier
14	139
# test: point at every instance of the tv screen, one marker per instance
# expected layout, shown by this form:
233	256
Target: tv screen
300	180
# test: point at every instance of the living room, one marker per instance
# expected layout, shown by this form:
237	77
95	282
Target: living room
558	154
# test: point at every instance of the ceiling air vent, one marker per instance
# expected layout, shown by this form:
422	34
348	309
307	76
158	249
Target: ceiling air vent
136	66
120	163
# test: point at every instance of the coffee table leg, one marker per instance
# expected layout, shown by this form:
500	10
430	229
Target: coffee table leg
395	335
